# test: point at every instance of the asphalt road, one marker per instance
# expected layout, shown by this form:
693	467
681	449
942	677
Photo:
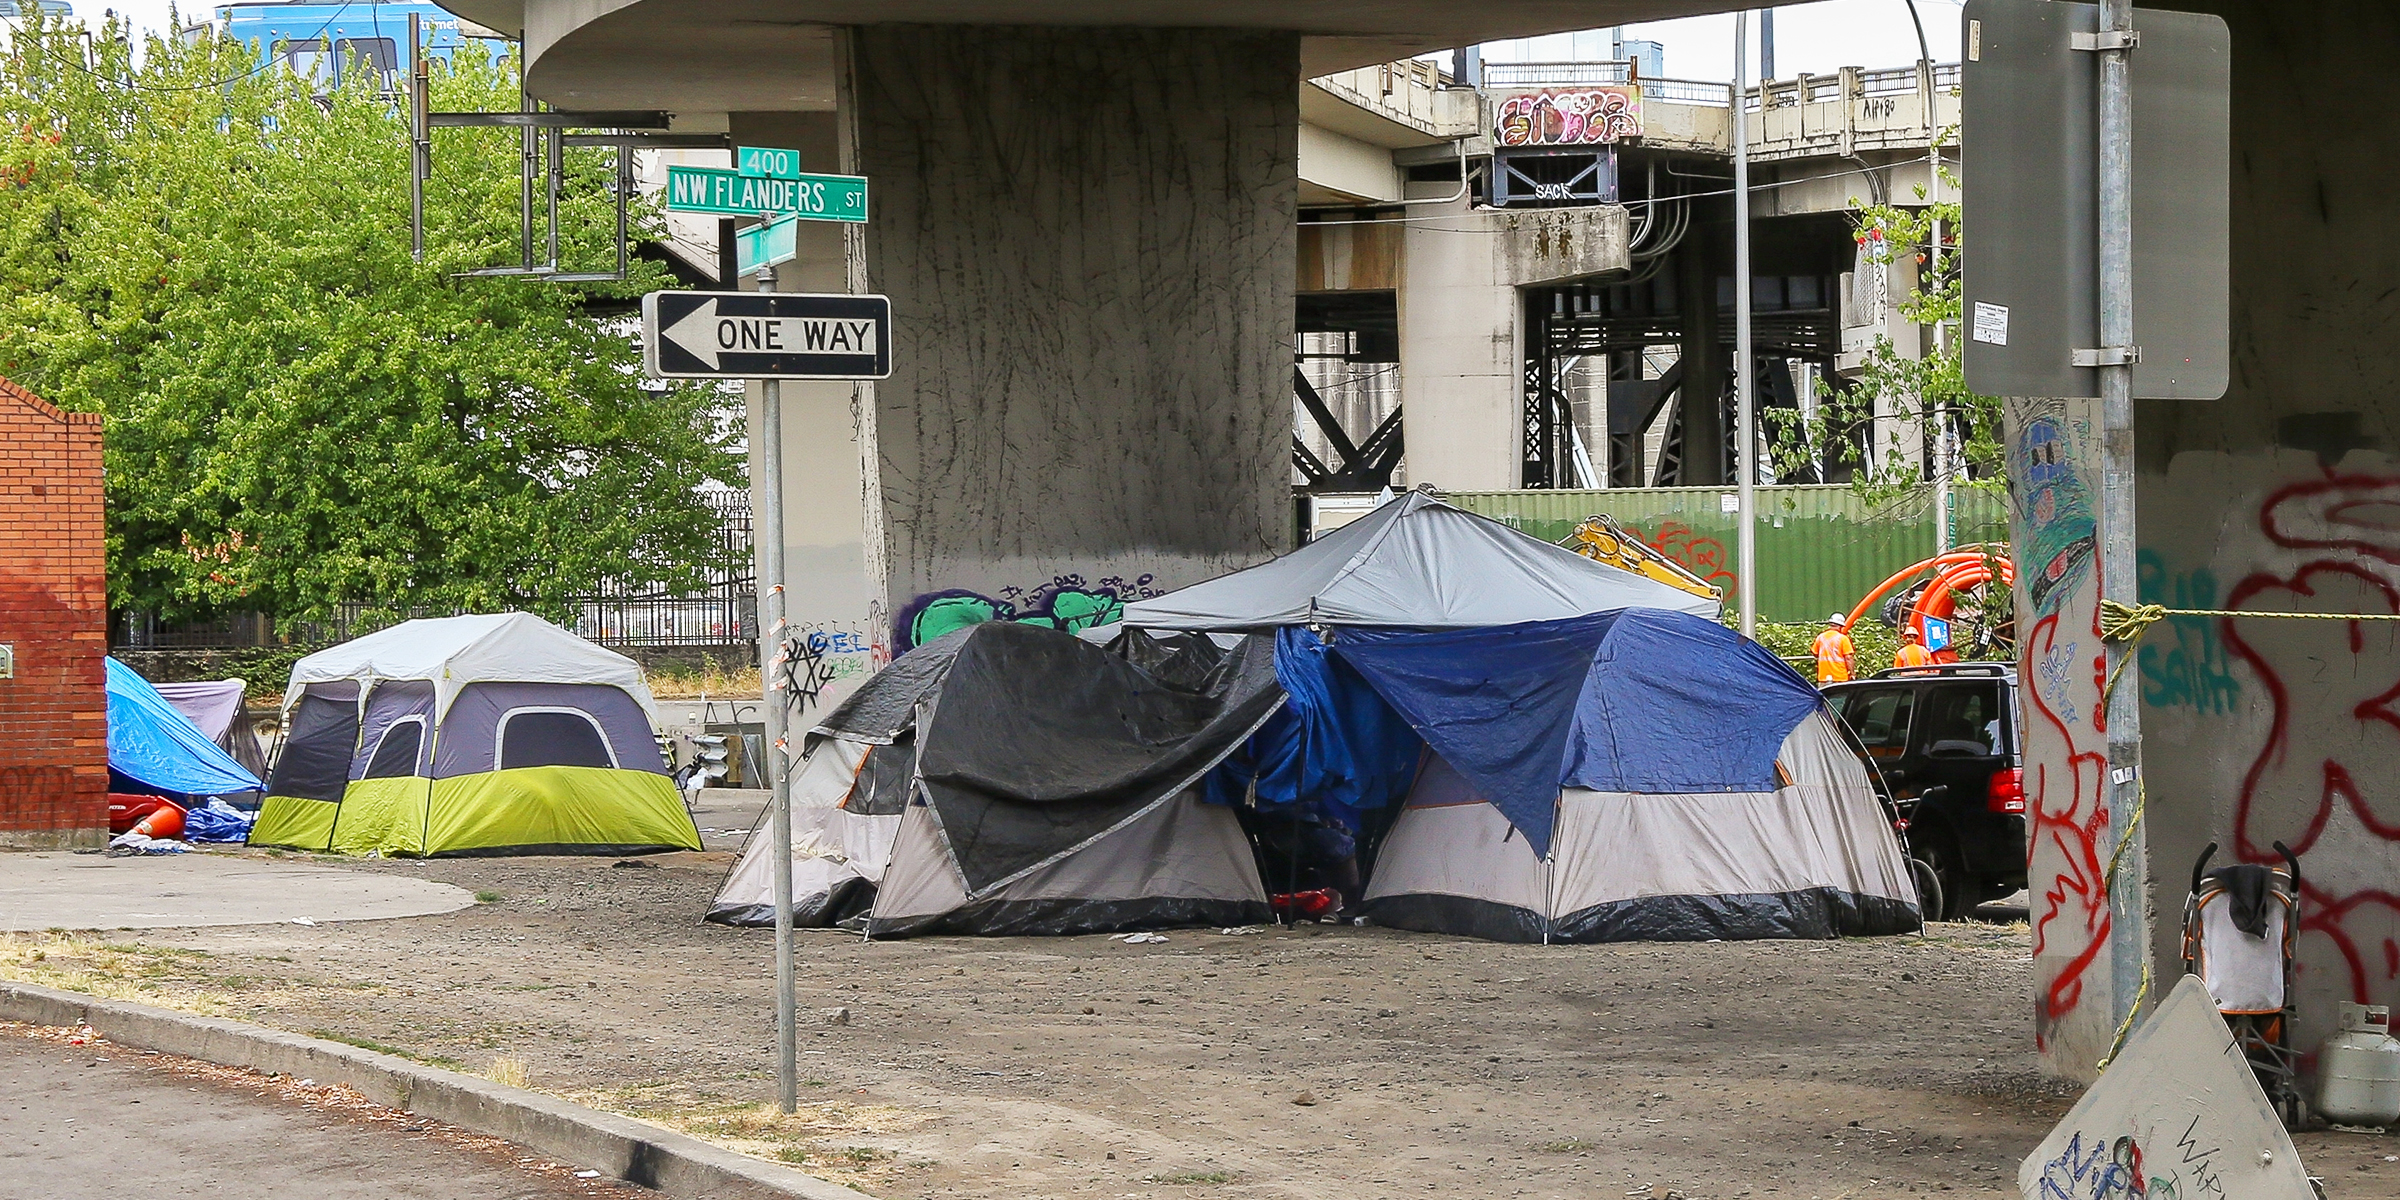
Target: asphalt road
106	1123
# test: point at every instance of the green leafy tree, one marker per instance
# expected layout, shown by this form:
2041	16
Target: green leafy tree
1920	393
299	416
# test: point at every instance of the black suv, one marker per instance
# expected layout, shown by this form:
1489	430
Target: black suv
1942	744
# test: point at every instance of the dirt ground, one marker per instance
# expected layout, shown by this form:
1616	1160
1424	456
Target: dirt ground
1321	1061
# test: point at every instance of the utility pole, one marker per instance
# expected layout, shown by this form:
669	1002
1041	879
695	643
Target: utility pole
1745	364
2128	902
1945	448
771	658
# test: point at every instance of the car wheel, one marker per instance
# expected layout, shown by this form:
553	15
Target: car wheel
1929	888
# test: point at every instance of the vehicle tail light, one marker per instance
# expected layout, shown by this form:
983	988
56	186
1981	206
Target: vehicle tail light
2006	792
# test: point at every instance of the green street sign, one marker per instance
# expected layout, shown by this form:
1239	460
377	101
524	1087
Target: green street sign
771	244
763	162
733	194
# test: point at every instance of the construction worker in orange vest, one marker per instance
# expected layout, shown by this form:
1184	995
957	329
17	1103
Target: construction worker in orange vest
1836	657
1913	652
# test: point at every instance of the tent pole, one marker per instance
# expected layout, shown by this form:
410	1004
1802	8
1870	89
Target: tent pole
779	775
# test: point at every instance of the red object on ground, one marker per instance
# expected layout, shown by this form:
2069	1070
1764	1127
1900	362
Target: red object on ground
124	808
1305	905
165	821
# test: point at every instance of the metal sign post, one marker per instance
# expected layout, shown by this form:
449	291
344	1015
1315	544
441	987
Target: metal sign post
771	664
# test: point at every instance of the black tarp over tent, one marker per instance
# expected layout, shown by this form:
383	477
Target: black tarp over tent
1056	788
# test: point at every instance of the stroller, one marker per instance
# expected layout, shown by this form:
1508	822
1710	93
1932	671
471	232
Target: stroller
2239	928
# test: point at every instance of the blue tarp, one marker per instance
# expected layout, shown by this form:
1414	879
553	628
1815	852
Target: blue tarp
150	742
1334	745
1636	700
1677	704
1495	703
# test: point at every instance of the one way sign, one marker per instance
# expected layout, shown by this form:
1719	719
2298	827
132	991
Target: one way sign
766	335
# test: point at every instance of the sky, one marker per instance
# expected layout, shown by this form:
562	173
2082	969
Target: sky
1818	38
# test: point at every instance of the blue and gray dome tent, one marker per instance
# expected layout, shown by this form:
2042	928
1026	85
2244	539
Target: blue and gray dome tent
1577	753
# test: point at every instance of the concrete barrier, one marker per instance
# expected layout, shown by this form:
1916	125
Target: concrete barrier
620	1146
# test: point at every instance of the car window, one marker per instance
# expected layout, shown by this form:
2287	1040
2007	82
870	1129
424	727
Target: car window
1963	717
1880	717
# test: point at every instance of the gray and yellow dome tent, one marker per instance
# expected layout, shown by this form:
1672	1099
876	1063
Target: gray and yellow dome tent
477	735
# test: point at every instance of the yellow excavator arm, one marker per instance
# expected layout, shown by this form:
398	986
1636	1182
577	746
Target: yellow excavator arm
1601	539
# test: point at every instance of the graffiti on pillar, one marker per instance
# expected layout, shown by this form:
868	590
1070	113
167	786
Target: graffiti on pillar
2066	760
1568	117
2320	777
2184	662
1066	603
819	658
2060	528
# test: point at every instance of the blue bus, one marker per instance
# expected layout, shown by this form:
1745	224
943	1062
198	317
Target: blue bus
329	41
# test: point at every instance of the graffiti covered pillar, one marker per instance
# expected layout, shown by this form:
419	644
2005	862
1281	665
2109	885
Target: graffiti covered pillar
2285	497
2054	492
1089	236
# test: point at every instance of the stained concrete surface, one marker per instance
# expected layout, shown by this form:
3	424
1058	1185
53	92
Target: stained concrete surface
104	1122
91	891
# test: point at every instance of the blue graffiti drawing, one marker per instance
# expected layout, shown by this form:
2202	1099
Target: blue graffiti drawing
1066	603
2060	530
2058	670
2183	661
2100	1172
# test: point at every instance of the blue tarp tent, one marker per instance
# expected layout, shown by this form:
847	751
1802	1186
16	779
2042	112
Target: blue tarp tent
1567	764
152	744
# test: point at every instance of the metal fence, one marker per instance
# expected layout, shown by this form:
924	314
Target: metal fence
722	612
1820	547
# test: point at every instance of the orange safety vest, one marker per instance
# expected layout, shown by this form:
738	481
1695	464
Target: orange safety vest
1834	656
1913	655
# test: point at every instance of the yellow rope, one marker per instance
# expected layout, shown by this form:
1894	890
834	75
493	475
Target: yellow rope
2125	1027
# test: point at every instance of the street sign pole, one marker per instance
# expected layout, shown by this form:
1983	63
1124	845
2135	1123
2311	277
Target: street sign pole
1745	365
2129	941
777	699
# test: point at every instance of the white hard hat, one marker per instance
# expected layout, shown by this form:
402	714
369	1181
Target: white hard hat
1838	619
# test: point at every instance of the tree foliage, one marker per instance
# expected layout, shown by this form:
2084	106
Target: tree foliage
1920	392
299	416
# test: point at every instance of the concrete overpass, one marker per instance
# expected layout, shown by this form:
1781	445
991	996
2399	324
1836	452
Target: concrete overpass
1086	215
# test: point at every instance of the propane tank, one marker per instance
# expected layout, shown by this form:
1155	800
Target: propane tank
2358	1069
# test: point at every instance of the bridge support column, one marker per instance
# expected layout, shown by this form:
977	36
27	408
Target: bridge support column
1089	237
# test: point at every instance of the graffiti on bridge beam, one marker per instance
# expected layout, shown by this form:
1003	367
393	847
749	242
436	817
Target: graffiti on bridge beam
1066	603
1569	117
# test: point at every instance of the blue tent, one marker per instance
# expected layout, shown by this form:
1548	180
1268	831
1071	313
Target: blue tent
154	745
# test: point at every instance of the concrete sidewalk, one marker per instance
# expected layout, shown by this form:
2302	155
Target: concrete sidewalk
91	891
103	1122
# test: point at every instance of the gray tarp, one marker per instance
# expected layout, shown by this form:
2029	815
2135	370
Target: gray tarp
1413	562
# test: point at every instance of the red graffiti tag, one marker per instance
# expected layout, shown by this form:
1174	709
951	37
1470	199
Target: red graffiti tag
2317	730
1702	556
2072	815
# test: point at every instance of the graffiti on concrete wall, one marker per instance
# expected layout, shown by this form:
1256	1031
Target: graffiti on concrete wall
821	660
2052	455
1568	117
2184	662
1066	603
2320	776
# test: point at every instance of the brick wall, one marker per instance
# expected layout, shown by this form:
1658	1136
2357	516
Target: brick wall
54	612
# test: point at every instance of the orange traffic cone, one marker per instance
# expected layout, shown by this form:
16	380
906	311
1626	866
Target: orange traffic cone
165	821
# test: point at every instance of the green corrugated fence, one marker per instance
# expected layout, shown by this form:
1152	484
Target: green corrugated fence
1820	547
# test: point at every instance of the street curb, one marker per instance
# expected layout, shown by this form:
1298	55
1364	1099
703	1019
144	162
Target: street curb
620	1146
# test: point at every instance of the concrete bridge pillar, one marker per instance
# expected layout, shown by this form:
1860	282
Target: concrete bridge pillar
1089	238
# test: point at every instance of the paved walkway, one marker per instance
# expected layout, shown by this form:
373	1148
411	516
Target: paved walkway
102	1122
91	891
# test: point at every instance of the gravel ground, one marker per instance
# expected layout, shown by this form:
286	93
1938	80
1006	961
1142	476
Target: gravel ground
1313	1062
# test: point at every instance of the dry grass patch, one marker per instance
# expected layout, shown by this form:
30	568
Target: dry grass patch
82	962
834	1140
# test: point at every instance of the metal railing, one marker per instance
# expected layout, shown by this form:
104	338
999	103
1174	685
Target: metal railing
1538	74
